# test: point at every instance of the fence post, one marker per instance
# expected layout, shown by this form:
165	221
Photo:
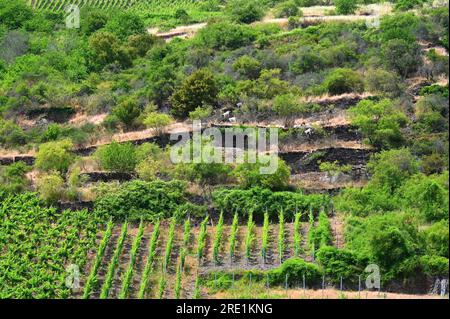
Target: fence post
215	280
232	281
304	283
250	279
341	284
267	281
323	285
286	282
359	286
443	287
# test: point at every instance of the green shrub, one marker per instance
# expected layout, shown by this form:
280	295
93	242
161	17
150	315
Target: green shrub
124	24
337	263
13	177
15	13
287	9
380	122
224	36
345	7
50	187
11	134
249	174
137	199
198	90
244	11
342	81
434	265
55	156
401	55
117	157
247	66
436	239
295	269
258	200
127	111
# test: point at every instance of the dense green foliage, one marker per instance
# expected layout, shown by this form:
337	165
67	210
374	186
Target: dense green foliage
63	92
259	200
137	199
36	267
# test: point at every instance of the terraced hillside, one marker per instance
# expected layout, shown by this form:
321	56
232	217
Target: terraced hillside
349	101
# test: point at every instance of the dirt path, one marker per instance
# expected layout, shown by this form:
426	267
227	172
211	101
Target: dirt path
312	14
325	294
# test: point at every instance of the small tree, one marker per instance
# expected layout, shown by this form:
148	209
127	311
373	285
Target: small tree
197	90
55	156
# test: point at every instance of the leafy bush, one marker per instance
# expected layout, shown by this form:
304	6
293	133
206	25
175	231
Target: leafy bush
244	11
11	134
223	36
436	239
257	200
157	121
401	56
117	157
55	156
383	82
404	5
345	7
15	13
247	66
380	122
142	200
389	240
287	9
124	24
105	49
50	187
295	269
127	111
342	81
337	263
13	178
434	266
249	174
197	90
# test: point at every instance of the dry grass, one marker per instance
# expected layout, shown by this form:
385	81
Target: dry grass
312	294
318	181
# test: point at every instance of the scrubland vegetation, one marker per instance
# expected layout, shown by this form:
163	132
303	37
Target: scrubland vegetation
91	205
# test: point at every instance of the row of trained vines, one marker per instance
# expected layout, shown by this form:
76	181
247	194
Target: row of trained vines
59	5
177	252
160	6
